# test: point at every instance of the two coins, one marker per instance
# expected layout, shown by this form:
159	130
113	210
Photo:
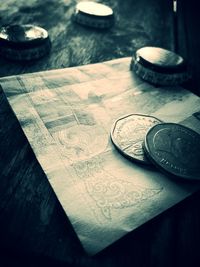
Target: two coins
172	148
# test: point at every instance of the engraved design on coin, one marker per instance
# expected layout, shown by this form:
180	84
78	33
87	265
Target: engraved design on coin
174	148
128	134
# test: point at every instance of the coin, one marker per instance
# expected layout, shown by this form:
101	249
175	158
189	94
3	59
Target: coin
128	134
159	66
23	42
175	149
93	14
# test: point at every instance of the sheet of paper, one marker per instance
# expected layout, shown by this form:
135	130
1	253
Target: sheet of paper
67	115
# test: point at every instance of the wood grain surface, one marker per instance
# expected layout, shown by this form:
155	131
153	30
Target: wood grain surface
137	23
34	231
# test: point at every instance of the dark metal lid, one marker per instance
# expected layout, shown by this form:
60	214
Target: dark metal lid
174	149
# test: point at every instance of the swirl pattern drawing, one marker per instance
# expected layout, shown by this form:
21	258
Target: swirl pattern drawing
110	192
81	142
118	194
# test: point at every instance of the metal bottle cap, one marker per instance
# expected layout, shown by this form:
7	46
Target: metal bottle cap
159	66
94	15
23	42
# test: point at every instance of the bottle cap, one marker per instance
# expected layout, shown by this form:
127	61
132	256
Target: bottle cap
94	15
24	42
159	66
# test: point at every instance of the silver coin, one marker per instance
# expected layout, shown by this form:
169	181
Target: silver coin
128	134
174	149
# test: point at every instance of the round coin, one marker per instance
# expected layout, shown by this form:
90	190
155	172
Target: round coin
175	149
94	15
128	134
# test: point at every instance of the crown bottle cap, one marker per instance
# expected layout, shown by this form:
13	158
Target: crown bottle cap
159	66
23	42
94	15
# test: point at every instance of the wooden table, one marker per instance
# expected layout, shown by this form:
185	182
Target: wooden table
73	45
34	230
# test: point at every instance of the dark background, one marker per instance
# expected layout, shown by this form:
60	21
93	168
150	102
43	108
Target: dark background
188	39
34	231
